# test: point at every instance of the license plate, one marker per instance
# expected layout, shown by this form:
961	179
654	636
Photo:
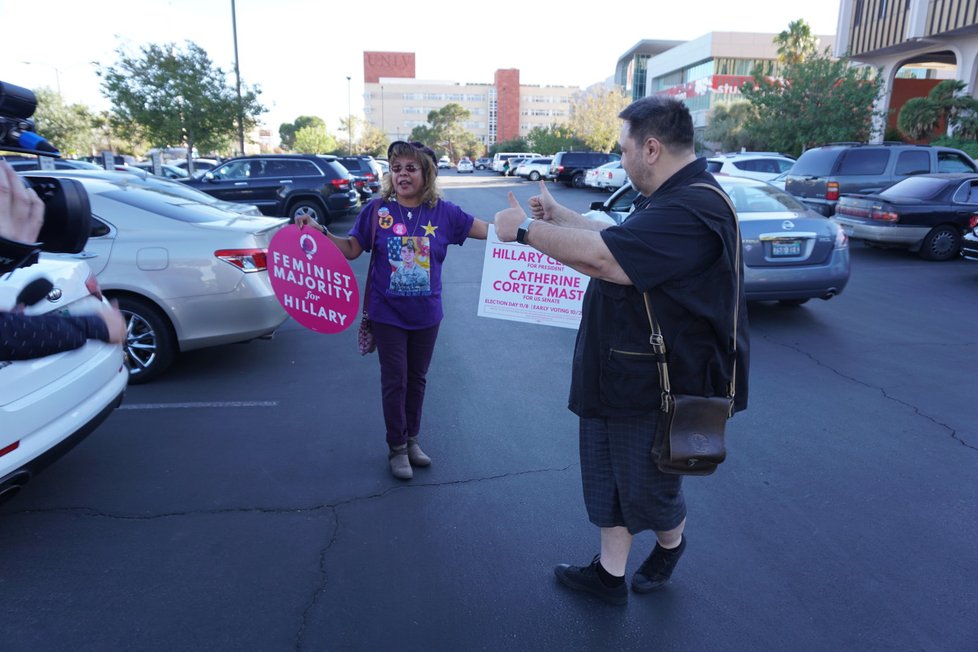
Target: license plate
784	249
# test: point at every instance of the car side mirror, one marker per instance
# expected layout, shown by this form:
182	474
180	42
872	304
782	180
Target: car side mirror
597	206
208	176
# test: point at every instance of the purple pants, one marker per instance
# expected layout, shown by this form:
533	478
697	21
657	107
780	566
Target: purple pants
404	359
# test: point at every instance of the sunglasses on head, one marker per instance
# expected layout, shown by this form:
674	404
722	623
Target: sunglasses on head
419	146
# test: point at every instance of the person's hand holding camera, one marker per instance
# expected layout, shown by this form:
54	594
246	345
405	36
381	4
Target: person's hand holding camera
21	210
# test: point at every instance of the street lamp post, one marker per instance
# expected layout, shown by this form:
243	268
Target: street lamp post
57	73
349	114
237	76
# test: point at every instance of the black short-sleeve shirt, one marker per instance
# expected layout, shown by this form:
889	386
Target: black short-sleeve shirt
679	246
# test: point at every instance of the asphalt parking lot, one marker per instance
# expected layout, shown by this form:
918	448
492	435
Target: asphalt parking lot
243	501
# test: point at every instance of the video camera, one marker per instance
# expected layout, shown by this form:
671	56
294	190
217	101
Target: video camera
67	211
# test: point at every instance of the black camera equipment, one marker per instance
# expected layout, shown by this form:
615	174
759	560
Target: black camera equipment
67	212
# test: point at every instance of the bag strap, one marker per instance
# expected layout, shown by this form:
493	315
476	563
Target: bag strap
657	340
373	245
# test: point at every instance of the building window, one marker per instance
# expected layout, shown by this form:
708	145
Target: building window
858	14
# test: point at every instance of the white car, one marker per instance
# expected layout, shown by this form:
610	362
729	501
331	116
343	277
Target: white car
753	165
465	165
49	404
444	162
534	169
186	274
611	176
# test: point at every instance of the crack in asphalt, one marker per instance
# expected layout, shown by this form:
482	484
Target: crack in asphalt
882	391
332	508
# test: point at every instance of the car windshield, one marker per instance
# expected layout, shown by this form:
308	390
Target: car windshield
915	188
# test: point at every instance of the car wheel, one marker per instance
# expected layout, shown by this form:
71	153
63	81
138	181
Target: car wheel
150	345
942	243
534	176
577	180
792	302
308	209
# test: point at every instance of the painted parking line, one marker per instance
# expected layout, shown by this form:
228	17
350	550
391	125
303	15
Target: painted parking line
195	406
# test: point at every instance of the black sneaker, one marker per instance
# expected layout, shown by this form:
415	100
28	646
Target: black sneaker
585	578
657	569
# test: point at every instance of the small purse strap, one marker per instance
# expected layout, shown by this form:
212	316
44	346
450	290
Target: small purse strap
370	265
657	340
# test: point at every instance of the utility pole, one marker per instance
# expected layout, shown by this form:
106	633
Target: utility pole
237	76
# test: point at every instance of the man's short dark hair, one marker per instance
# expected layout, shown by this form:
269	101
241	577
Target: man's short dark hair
663	118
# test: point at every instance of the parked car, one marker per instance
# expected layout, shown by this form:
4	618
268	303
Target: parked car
500	160
166	170
534	169
175	187
822	174
365	178
483	163
569	168
284	185
611	176
753	165
791	253
200	164
511	164
50	404
186	275
465	165
444	162
927	214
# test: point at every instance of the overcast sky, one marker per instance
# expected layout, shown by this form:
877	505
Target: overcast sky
300	52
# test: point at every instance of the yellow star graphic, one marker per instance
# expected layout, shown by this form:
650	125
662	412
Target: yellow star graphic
429	229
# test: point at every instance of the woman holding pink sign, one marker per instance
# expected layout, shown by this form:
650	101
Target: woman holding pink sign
408	231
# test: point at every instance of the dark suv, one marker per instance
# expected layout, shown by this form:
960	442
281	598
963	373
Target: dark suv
365	179
284	185
822	174
569	167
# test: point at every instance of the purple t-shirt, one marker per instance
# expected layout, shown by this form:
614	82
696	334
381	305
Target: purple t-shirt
408	251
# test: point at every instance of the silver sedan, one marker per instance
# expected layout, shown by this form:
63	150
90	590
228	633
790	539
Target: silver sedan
186	274
791	253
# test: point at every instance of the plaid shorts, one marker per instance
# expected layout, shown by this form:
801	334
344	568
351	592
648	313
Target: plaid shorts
622	484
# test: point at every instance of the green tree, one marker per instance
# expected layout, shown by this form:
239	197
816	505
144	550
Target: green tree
314	139
68	127
288	130
727	128
919	117
552	139
796	44
446	134
177	97
817	101
373	141
514	145
594	116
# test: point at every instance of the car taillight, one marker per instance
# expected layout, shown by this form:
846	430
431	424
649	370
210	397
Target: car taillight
341	184
973	221
832	190
9	449
371	177
247	260
560	168
883	215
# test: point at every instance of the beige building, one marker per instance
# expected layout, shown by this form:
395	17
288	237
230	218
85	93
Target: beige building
396	102
916	44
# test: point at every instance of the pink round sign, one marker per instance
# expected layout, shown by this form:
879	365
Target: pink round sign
313	280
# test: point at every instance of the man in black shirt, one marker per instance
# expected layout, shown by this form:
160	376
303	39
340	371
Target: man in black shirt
22	336
679	246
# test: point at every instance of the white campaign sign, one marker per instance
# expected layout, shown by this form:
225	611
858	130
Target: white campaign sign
521	284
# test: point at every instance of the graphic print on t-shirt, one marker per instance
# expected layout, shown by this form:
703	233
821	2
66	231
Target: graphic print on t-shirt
410	266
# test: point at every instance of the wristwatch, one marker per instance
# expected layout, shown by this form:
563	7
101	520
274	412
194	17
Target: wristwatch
523	229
